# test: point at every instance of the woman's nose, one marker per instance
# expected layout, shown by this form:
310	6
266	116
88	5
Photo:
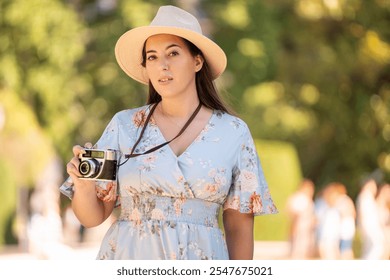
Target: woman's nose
164	64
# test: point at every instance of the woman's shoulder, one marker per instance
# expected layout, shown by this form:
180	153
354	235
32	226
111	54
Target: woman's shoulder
230	122
132	111
132	114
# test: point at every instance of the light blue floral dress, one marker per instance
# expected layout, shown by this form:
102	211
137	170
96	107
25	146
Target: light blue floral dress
169	204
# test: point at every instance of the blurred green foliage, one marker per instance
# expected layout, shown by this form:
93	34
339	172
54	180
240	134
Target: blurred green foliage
282	170
314	73
7	207
311	73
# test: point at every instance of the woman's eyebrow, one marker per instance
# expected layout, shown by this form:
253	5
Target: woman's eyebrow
170	46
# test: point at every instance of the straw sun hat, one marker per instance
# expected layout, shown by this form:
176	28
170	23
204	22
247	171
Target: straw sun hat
168	20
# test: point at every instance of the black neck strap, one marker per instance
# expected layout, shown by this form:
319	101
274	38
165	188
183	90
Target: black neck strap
132	154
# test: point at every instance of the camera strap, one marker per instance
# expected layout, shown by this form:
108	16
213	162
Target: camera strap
132	154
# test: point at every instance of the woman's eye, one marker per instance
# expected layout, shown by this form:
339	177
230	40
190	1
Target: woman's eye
152	57
174	53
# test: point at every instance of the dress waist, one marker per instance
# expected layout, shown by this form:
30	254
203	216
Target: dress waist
141	208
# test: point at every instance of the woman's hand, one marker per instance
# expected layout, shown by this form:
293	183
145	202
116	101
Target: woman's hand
88	208
72	168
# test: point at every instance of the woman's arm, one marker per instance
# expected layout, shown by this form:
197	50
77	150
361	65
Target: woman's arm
88	208
239	234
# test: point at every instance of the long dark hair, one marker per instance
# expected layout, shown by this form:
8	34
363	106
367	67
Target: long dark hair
205	86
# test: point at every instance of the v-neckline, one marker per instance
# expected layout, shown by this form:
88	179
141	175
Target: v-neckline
154	123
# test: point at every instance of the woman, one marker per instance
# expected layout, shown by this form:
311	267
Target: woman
170	194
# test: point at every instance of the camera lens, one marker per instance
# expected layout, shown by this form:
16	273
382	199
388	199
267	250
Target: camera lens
84	168
89	168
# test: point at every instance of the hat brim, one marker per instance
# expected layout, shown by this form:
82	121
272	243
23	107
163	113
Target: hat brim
128	50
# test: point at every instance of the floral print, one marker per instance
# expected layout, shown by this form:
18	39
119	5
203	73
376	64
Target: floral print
139	118
169	205
106	191
248	181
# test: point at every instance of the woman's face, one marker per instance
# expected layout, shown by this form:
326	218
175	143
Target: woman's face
170	65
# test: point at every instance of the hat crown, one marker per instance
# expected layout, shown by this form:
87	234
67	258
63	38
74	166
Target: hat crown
175	17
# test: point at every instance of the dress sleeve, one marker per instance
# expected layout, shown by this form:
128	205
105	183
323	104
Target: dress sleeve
249	192
110	136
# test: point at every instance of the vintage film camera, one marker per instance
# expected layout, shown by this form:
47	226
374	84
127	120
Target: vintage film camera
98	165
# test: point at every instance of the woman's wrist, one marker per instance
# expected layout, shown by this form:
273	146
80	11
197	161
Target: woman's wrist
84	187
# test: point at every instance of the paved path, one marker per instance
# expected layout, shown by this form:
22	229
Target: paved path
263	251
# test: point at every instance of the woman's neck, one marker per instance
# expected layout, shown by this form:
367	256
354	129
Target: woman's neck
175	108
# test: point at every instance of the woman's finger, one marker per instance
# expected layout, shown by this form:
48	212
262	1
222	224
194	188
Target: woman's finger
77	150
71	169
88	145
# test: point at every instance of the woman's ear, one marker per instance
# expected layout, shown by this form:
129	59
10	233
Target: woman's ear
198	62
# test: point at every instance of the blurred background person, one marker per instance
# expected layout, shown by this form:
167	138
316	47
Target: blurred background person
347	213
45	228
368	222
320	207
300	208
383	201
328	224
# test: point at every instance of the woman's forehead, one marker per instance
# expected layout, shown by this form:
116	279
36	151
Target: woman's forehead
162	40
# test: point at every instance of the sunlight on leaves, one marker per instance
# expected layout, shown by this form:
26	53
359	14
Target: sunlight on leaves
251	47
386	132
236	14
373	47
137	13
296	120
384	161
310	9
263	94
309	94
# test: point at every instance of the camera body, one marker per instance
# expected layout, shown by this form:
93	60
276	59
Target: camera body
98	165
